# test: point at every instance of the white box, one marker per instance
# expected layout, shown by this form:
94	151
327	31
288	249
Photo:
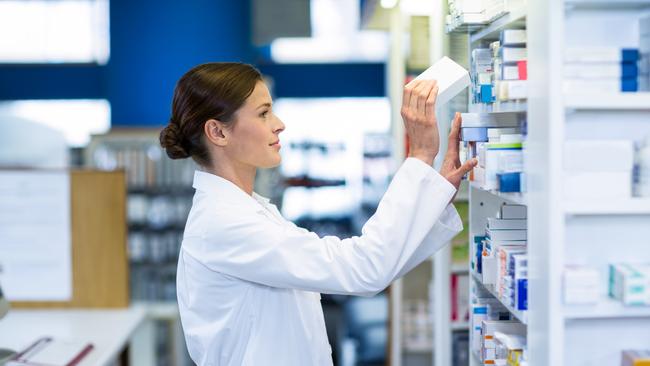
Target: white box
595	70
644	43
501	224
584	86
451	77
509	72
489	270
597	185
512	90
513	212
513	54
593	54
598	155
513	37
581	285
644	26
630	283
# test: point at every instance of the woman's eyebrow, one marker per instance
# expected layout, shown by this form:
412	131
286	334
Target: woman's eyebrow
264	105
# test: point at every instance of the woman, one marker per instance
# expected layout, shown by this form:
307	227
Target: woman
249	281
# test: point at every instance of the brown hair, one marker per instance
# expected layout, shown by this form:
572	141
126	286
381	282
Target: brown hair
209	91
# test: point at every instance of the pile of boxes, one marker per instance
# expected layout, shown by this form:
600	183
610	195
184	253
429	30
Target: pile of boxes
609	69
601	69
495	338
628	283
499	259
498	146
499	72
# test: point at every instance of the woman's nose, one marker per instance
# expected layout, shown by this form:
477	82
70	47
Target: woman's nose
279	126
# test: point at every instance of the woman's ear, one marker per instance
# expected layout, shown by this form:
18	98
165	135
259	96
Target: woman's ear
216	132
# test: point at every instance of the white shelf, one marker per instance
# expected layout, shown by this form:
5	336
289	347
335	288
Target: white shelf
604	101
632	206
606	308
459	325
513	19
516	198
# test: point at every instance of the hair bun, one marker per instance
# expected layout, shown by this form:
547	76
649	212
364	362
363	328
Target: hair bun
171	140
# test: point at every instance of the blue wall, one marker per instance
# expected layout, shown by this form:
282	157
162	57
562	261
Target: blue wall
154	42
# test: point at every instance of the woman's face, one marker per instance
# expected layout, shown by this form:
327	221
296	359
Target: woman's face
254	139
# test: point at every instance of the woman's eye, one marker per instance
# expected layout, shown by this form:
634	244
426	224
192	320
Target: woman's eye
264	114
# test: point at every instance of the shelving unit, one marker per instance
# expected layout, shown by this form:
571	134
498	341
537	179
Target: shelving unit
562	231
159	196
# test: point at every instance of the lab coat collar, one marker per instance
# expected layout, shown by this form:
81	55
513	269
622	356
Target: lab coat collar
226	190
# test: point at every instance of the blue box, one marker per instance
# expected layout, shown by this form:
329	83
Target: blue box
630	55
522	294
629	84
470	134
486	94
629	70
509	182
478	243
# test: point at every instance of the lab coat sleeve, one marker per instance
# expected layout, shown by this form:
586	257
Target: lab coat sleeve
448	226
247	245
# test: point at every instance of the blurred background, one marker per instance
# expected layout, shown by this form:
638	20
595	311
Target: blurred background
86	86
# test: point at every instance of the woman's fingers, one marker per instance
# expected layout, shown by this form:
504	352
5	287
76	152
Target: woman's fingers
421	93
454	138
419	97
430	104
466	167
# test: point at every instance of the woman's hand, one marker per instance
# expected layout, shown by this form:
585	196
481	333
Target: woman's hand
418	113
451	168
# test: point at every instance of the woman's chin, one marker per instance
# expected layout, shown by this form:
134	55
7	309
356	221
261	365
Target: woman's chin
272	163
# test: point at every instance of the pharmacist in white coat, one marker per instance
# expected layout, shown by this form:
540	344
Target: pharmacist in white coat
249	281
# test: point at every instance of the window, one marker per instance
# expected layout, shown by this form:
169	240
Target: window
54	31
335	37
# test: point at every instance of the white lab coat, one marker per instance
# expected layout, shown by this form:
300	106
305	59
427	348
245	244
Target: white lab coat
249	281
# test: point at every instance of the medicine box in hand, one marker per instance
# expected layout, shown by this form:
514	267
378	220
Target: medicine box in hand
451	77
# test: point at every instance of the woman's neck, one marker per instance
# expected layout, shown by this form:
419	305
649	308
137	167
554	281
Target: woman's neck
241	175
